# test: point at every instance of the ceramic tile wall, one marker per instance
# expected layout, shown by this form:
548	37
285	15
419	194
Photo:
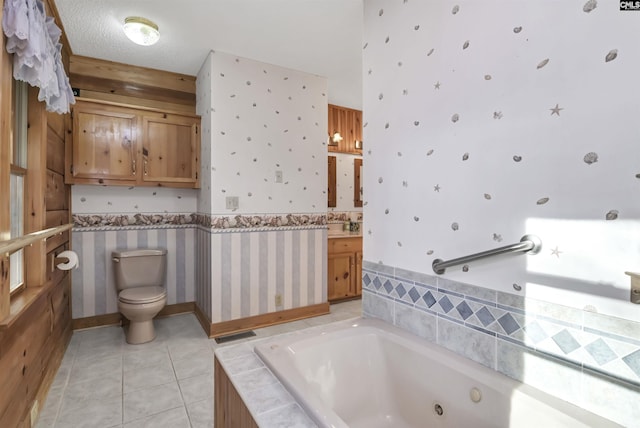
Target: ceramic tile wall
488	120
556	348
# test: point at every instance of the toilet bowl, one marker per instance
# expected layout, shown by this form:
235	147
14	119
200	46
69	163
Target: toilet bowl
139	278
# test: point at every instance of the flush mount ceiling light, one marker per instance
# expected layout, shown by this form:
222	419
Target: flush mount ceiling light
141	31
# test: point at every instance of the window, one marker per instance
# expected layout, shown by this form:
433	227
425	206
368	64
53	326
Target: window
18	173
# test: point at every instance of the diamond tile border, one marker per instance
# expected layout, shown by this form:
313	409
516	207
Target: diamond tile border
506	317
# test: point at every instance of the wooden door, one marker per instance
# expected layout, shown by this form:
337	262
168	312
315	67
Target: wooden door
169	149
340	273
104	143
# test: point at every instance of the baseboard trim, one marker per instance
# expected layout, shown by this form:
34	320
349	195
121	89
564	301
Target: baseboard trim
216	329
204	321
96	321
118	319
177	308
257	321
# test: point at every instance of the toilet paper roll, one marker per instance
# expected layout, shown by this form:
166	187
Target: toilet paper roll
71	264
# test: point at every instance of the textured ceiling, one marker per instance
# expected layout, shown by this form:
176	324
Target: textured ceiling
322	37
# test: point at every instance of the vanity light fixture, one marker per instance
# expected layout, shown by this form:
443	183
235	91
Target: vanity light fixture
141	31
358	144
337	137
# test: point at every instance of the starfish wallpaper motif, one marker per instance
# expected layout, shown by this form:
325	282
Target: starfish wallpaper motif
508	124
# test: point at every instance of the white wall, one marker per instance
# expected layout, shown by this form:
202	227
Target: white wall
88	199
257	119
463	135
264	119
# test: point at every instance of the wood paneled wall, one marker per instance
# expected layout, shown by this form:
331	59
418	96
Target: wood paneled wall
31	351
229	411
122	83
348	122
34	337
35	323
5	162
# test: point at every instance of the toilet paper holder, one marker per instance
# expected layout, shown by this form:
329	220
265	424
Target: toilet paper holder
60	259
64	260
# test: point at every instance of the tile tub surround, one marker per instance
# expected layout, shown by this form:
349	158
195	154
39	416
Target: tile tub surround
269	403
560	350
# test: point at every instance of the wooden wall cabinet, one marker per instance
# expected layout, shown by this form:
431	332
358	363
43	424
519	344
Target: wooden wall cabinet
170	149
347	122
344	265
115	144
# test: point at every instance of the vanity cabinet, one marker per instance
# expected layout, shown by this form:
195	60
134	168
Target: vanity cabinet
344	268
115	144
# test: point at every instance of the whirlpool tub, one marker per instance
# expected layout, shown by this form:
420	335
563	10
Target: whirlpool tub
366	373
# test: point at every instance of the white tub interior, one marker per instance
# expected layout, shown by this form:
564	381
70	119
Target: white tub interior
367	373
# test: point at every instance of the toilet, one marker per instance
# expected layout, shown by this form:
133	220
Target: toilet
139	277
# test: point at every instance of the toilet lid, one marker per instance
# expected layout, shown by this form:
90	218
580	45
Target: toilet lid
142	294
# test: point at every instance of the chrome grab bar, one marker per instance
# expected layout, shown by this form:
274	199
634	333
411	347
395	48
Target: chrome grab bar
530	244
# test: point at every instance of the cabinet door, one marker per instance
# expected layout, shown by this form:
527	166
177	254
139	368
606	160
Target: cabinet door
104	143
357	274
170	149
340	276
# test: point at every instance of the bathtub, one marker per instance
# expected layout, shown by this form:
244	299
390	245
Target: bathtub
366	373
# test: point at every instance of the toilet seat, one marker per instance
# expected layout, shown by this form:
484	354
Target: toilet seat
140	295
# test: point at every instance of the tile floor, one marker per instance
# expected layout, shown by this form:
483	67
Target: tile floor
104	382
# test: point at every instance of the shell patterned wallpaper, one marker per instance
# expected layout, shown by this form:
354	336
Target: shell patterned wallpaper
489	120
262	120
88	199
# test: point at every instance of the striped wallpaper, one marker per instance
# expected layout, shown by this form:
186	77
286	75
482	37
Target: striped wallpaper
93	288
240	273
230	274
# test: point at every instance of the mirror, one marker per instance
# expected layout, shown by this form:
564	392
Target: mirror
344	183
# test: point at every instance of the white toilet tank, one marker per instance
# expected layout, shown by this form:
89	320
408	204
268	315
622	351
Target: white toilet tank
139	268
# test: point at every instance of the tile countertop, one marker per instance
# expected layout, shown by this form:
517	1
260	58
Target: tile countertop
268	401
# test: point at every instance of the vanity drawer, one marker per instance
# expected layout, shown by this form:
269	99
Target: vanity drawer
345	245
